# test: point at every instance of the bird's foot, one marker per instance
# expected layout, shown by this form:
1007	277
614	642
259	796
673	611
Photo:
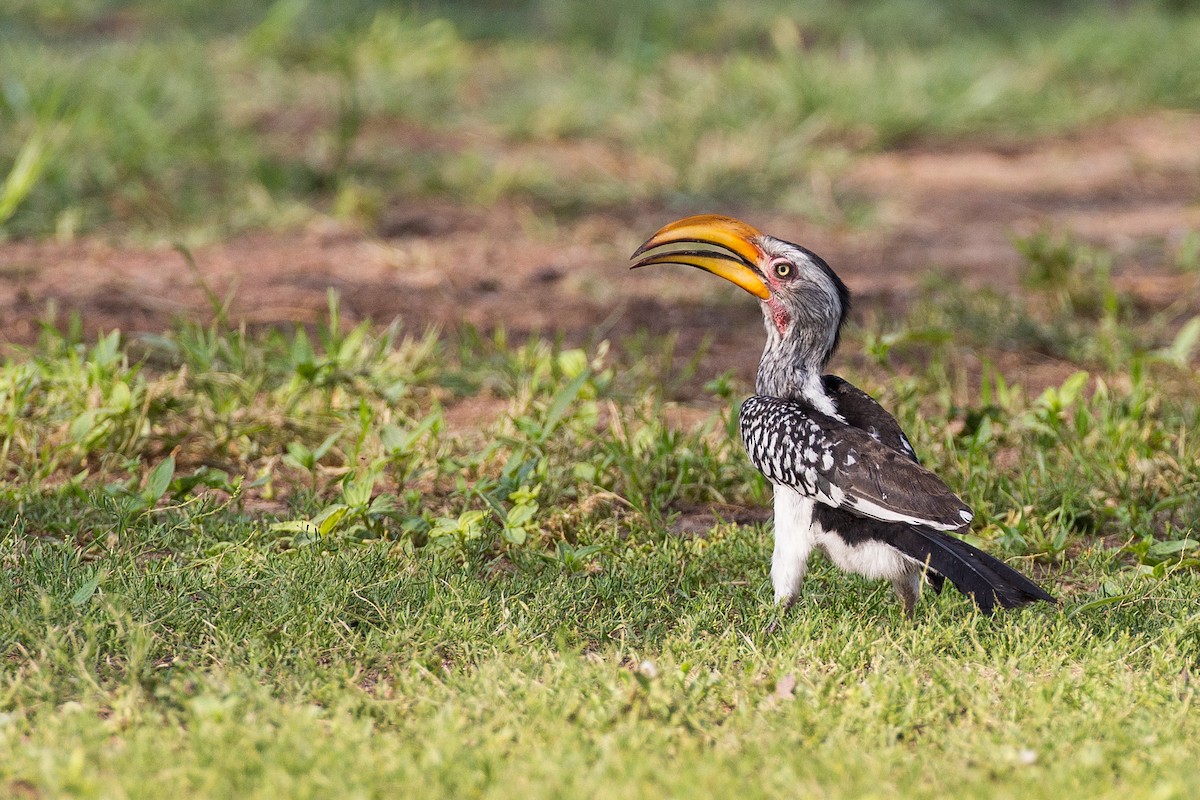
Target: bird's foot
908	589
782	607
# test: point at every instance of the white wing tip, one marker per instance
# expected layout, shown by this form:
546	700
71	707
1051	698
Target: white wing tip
876	511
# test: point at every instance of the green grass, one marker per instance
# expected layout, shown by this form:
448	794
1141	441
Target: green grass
250	564
204	118
361	673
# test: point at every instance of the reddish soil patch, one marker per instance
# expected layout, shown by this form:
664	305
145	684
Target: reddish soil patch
1130	186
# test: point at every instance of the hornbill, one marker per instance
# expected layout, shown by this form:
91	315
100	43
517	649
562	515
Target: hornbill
846	478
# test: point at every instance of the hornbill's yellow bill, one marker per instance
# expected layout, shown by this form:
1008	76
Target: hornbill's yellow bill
721	245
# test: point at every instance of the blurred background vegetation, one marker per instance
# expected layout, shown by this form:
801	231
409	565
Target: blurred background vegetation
217	116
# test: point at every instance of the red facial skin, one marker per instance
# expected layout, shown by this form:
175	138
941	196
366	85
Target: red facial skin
779	312
779	315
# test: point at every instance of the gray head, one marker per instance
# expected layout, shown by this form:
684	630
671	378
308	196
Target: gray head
804	303
808	302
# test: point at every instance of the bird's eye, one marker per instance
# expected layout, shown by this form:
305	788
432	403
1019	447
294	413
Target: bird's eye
783	269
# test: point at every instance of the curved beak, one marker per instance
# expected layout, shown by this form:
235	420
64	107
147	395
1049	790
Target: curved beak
723	246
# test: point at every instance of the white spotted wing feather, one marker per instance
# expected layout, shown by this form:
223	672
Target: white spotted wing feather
845	467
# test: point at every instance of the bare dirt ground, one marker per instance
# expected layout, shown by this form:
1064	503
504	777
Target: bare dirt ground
1130	186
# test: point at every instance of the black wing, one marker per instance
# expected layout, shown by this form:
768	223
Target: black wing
861	411
842	466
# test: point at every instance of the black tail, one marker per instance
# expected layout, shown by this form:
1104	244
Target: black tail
985	579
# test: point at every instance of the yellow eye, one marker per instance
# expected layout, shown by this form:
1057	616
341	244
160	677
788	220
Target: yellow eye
783	269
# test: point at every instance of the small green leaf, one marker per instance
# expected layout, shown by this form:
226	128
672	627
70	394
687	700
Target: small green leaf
383	504
121	397
26	172
294	526
87	589
562	401
159	480
351	345
1184	346
299	452
303	357
572	363
357	488
107	350
398	442
524	494
519	515
327	521
83	425
1161	549
1099	603
323	447
1072	387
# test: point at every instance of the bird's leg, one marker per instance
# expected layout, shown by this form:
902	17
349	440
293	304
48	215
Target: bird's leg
908	589
793	544
789	565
